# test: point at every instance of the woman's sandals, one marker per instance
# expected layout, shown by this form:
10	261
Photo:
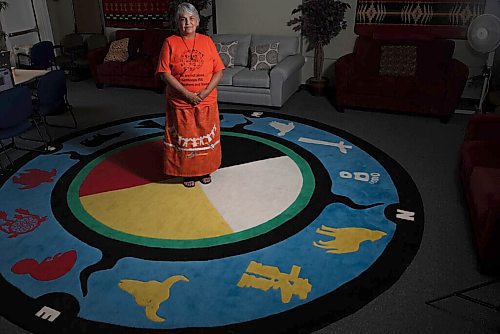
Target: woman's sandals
206	179
189	182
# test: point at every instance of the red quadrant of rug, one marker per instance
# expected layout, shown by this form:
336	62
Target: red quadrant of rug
135	166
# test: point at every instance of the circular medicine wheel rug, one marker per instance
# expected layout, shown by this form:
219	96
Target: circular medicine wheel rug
302	225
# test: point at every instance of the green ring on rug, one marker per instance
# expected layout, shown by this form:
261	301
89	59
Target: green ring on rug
306	192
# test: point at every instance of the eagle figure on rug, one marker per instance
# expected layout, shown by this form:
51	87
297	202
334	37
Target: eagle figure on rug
282	127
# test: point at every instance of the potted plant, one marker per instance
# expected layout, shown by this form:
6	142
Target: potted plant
3	5
200	5
319	21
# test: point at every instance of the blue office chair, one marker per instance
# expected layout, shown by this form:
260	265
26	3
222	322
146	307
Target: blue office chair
51	99
16	111
41	57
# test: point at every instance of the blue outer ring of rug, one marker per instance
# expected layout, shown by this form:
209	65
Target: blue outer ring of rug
90	301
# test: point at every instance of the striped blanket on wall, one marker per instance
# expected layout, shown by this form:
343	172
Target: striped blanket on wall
134	13
444	19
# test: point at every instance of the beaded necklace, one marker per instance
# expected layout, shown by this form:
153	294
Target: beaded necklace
194	43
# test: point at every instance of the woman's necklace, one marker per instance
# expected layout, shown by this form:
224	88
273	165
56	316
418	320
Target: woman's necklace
192	49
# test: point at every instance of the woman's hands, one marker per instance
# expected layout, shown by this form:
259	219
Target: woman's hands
202	94
193	98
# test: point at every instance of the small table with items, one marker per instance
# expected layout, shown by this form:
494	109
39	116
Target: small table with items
23	76
15	77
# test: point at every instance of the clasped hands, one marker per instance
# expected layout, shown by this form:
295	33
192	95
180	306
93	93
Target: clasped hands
195	97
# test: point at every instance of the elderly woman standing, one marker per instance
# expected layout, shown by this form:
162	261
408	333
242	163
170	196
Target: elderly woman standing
191	68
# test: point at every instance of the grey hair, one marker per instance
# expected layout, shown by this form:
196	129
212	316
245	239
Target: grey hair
186	7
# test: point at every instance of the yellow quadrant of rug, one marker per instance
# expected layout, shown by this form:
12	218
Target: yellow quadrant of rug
156	210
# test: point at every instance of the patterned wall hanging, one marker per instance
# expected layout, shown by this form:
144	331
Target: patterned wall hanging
134	13
441	18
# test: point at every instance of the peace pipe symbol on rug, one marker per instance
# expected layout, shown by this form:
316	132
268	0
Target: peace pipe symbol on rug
302	225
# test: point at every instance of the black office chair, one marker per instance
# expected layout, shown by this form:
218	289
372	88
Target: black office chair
41	57
16	111
95	41
71	51
81	64
51	98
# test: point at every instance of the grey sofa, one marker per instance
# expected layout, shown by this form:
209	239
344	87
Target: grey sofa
272	88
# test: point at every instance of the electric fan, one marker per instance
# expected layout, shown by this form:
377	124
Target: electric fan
484	36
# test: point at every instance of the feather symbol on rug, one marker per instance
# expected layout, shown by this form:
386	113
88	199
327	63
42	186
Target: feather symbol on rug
347	240
282	127
150	294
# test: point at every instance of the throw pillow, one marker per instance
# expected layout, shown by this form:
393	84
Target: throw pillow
118	51
398	60
264	57
227	52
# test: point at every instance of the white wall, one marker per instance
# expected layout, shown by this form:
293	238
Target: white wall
43	20
256	16
61	18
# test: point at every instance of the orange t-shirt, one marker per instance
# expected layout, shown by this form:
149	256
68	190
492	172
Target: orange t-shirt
192	62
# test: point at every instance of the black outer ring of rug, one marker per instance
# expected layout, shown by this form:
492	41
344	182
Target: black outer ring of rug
301	319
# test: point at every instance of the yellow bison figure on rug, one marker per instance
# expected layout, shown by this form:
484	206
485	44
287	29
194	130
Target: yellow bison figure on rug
150	294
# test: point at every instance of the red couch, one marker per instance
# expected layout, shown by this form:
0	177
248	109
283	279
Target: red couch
479	168
136	72
433	88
